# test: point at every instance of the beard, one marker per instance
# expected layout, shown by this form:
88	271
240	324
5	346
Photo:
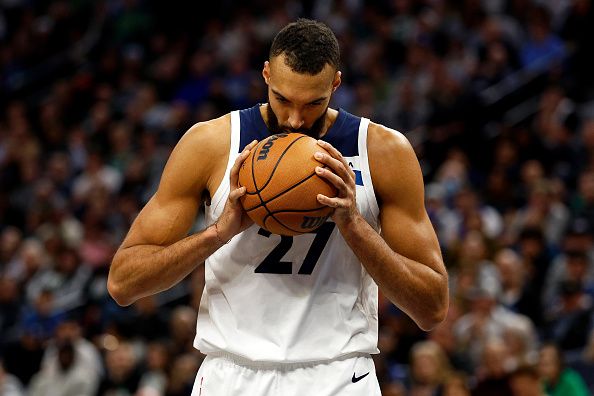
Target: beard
314	131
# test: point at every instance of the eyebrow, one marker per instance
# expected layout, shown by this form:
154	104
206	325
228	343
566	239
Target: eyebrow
320	99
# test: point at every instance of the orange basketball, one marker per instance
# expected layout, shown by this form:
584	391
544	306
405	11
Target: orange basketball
282	185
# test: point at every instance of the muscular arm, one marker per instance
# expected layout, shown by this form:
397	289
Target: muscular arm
405	260
156	253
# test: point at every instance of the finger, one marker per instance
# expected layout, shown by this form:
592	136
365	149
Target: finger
250	146
332	202
336	154
234	173
339	167
332	177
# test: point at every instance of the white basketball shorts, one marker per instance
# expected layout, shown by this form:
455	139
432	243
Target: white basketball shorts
227	376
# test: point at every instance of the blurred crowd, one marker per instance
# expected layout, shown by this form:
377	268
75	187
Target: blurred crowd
497	97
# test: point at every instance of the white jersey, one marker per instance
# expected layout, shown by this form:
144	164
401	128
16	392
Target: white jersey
305	298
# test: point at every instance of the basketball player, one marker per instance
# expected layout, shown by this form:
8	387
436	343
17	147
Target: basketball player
267	325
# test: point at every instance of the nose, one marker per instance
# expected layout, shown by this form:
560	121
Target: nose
296	120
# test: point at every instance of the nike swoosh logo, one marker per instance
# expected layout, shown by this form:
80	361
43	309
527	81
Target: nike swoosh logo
357	379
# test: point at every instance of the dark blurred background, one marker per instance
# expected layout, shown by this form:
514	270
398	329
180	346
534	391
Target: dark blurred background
497	97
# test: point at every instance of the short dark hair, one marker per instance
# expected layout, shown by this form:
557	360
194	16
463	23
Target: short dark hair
307	45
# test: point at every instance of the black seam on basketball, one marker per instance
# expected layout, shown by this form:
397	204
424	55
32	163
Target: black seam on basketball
277	162
295	210
281	224
282	192
254	175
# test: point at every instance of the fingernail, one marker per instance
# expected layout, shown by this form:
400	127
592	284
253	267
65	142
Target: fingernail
318	169
318	155
321	142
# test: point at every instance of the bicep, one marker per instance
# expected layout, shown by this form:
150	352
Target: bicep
162	221
406	227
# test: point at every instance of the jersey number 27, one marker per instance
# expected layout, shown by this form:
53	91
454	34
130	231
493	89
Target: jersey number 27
272	263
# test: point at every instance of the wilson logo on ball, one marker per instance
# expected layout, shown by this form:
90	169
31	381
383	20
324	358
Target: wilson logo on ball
313	222
263	154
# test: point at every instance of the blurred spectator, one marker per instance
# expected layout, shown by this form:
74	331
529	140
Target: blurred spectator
27	261
393	389
9	384
497	56
148	321
492	372
583	363
544	212
571	320
86	355
154	380
518	292
122	374
10	306
536	258
585	150
40	317
22	356
525	381
556	123
67	279
543	49
559	380
444	220
182	375
583	202
476	216
456	385
474	261
429	368
575	263
444	336
96	175
488	321
62	377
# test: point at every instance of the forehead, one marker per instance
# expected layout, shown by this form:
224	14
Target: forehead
299	86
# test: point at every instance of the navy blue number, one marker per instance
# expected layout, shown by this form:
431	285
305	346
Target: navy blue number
315	251
272	264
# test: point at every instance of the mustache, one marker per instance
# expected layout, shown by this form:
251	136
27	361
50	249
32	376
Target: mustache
313	131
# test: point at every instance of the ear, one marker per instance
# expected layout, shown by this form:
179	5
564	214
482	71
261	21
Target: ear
266	72
337	80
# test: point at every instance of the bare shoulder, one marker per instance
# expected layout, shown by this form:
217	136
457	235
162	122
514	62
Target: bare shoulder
198	157
208	137
392	161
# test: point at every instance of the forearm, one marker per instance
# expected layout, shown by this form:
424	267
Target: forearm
414	287
143	270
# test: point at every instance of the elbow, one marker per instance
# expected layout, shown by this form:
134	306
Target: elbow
431	321
437	314
117	291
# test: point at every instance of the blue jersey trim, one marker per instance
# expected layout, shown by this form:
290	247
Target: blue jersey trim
343	134
358	177
252	126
